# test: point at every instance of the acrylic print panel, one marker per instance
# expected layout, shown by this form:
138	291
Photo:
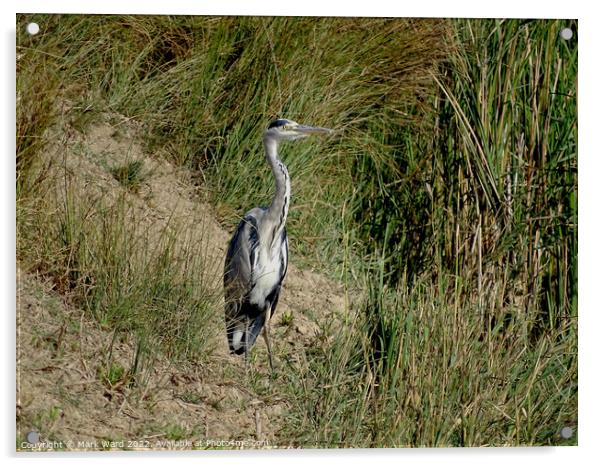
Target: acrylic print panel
430	299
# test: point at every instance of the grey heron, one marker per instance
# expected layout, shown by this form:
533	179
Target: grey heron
257	257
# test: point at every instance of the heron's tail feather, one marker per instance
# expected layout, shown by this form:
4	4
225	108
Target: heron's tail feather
243	332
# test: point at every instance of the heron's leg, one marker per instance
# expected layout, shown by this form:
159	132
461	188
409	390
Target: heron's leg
266	336
246	336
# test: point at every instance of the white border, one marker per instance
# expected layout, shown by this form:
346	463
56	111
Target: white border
589	212
425	8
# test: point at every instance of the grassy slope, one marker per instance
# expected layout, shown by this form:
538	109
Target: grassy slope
448	200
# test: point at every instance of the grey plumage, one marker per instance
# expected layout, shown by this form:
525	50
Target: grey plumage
257	257
242	273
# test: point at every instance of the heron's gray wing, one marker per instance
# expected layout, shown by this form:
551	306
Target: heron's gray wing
241	258
240	261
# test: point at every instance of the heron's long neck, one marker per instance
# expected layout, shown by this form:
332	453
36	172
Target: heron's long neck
278	209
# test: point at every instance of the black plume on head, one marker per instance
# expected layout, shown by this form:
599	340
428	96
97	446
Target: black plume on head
278	122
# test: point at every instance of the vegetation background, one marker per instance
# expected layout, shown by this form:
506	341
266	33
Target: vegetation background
445	206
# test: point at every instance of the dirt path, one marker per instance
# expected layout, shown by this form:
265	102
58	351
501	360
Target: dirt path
60	348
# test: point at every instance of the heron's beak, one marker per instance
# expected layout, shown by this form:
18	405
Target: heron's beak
307	130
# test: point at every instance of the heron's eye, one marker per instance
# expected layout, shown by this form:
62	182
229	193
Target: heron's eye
286	127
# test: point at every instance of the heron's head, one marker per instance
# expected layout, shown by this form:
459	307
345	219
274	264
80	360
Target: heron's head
288	130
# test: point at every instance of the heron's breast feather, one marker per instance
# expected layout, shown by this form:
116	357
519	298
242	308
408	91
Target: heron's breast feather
266	277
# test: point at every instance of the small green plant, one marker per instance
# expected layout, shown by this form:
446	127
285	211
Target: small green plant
54	413
175	432
45	420
287	318
111	375
131	175
191	397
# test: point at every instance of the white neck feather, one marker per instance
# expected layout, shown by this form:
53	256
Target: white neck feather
278	210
